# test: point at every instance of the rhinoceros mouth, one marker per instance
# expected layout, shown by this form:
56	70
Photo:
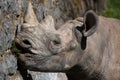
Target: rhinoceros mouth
23	51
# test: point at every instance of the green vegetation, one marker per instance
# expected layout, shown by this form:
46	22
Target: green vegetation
113	9
17	51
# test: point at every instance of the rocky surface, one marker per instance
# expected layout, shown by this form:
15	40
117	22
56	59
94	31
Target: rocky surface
12	13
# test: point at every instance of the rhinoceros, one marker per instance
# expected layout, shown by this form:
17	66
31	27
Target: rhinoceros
90	42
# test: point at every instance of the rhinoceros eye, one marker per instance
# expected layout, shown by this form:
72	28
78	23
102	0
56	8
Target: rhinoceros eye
72	45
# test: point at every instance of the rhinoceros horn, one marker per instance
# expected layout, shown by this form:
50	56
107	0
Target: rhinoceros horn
31	20
30	17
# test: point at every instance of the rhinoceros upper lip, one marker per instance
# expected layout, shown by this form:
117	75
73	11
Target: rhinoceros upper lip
23	50
27	52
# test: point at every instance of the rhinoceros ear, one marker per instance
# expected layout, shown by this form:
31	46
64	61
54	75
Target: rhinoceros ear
90	22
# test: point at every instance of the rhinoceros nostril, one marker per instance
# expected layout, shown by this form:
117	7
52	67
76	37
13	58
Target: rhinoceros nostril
56	42
26	43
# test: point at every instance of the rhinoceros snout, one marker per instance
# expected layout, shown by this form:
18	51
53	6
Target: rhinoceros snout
23	43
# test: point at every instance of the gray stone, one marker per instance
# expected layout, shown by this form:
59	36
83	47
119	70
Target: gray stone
47	76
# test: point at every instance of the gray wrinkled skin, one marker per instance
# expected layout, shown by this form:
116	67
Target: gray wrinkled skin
47	45
91	44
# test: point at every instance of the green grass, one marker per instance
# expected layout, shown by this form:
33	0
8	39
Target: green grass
113	9
17	51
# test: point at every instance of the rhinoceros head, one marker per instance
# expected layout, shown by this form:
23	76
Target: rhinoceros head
46	48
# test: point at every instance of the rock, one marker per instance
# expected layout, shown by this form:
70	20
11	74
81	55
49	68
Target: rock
47	76
8	66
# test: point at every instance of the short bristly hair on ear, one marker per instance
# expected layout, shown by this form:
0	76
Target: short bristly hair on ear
90	21
90	24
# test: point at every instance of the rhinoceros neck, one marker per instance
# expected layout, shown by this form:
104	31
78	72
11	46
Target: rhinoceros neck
97	53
